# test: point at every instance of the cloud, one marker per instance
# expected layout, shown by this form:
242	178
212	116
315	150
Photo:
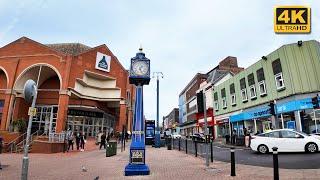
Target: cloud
180	37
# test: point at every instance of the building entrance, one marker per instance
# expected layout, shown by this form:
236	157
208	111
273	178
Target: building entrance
90	123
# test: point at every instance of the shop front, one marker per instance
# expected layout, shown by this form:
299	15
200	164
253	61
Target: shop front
299	114
90	122
295	114
257	120
223	125
210	121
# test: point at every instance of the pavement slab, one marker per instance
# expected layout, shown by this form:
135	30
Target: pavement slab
163	164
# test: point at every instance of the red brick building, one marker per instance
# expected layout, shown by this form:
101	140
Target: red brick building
73	90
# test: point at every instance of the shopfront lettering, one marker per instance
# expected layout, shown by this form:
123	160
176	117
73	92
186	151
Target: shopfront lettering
75	112
261	113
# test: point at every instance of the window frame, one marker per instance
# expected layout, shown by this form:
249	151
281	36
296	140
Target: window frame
233	99
224	102
245	91
254	90
216	105
282	80
264	86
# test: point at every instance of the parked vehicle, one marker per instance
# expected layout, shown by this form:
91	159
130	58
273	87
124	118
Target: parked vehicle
198	137
175	136
286	140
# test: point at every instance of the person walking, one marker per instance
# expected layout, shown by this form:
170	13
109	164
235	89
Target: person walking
103	141
108	137
99	138
70	140
82	141
246	136
78	140
234	136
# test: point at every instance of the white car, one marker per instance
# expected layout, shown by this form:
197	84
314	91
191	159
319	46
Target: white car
286	140
175	136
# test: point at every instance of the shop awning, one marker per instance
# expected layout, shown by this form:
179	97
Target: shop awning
263	111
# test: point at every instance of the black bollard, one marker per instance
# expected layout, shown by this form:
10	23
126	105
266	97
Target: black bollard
186	146
179	143
211	152
233	163
196	148
275	164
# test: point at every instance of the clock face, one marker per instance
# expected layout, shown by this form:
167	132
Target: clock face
140	68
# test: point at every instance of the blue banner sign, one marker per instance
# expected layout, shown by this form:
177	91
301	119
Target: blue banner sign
257	113
294	105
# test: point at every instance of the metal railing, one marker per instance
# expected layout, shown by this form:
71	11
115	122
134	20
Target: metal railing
57	137
23	142
12	144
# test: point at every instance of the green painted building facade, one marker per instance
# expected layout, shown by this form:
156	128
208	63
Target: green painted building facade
291	70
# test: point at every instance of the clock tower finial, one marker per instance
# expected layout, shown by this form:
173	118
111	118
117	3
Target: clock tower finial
140	49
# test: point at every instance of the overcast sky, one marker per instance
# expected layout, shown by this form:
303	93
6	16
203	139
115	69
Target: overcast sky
180	37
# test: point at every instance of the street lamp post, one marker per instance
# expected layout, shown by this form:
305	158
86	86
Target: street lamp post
30	94
157	137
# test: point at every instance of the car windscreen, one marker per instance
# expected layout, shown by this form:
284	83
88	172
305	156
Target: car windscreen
274	134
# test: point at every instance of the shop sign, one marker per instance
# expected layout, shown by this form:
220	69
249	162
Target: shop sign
75	112
294	105
32	111
137	156
262	112
291	125
103	62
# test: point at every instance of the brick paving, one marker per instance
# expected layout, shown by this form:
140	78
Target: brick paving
164	164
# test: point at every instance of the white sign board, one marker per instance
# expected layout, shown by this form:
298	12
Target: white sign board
103	62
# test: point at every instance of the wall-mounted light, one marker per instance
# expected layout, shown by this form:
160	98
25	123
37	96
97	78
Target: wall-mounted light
264	58
299	43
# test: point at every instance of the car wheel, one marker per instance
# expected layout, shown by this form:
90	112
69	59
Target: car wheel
311	148
263	149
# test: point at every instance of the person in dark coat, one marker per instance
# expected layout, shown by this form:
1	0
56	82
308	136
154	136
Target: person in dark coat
108	137
103	141
82	141
78	140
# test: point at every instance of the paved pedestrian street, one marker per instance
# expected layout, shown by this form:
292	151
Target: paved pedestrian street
163	163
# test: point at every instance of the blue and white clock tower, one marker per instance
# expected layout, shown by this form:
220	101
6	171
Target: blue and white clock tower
139	76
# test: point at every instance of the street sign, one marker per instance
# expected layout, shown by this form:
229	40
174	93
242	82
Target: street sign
32	111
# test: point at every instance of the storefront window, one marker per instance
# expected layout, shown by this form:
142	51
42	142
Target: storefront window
310	120
287	120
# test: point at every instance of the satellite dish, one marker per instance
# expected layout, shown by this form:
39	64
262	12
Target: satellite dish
29	90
